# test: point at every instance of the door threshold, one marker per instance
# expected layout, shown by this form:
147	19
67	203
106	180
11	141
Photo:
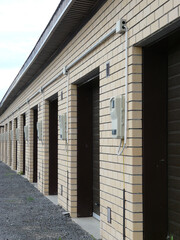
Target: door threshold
90	225
35	184
96	216
53	198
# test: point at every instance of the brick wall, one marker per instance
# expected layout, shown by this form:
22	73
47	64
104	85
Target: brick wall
144	19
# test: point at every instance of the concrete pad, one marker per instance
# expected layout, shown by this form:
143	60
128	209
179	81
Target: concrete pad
35	185
53	199
90	225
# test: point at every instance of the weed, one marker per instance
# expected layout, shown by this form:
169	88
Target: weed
20	173
30	199
93	237
9	174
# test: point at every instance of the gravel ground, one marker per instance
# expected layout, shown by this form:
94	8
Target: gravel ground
25	214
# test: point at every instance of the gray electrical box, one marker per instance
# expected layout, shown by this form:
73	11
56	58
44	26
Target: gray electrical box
62	126
121	26
108	214
117	111
17	134
39	130
26	135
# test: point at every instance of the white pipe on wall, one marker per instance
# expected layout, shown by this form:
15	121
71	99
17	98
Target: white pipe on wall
67	109
126	85
126	94
83	55
89	50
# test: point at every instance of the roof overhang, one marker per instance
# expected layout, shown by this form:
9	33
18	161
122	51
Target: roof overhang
69	17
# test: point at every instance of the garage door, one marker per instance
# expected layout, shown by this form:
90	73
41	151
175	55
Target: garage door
174	142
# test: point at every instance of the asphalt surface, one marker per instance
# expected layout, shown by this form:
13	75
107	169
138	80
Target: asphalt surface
26	214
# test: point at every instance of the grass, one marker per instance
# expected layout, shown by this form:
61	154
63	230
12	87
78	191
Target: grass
30	199
20	173
9	174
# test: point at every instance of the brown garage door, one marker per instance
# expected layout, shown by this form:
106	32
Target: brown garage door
174	142
88	149
95	99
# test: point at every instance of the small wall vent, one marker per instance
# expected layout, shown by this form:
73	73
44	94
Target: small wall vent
108	214
107	69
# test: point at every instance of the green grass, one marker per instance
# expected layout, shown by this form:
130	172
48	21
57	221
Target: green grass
30	199
20	173
93	237
9	174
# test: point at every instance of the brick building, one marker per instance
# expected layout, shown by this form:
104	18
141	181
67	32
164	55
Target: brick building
56	126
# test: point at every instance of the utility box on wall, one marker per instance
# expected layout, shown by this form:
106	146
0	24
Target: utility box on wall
39	130
117	111
17	134
26	135
62	126
11	135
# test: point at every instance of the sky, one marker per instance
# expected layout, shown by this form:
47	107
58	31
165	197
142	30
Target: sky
21	24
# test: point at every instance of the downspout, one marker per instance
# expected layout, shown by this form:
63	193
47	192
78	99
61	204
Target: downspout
65	72
67	130
125	130
67	109
126	94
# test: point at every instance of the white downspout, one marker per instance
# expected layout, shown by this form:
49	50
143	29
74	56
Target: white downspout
126	85
67	108
126	94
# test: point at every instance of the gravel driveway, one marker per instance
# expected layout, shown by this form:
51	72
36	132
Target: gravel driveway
25	214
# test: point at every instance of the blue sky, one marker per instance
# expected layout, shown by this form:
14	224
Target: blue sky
22	22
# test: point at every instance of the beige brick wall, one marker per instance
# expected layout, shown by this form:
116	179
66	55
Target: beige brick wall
14	146
144	19
43	148
29	145
8	145
5	144
19	144
1	143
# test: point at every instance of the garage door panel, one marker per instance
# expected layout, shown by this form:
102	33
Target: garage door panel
173	126
174	215
173	81
174	104
174	142
173	149
174	55
173	92
174	69
174	115
174	160
174	137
